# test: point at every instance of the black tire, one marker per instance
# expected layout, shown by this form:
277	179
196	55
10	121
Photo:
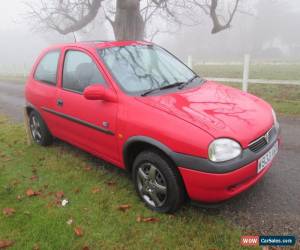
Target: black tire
166	175
39	131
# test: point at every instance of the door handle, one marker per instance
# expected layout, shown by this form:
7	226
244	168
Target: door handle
60	102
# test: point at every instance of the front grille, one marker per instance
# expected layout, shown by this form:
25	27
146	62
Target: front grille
262	141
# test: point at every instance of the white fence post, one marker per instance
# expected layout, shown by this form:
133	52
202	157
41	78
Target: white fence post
190	62
246	72
24	70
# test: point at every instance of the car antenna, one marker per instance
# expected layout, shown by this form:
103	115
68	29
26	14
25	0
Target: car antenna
74	35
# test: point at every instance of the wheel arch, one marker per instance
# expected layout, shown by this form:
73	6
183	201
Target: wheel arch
137	144
29	108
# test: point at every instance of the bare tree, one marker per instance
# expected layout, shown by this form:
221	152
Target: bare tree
211	10
129	18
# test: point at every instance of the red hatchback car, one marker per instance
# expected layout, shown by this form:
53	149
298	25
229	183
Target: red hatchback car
137	106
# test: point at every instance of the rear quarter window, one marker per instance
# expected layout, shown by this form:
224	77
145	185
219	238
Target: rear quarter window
46	71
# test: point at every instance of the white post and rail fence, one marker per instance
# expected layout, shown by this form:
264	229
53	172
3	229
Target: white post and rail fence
245	81
246	72
22	70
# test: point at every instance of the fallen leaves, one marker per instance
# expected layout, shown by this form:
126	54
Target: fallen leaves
7	159
60	199
5	243
30	193
8	211
150	219
36	247
111	183
59	195
124	207
147	219
96	190
34	177
78	231
19	197
87	168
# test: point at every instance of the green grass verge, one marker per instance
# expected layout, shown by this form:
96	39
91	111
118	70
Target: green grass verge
39	221
14	79
257	71
285	99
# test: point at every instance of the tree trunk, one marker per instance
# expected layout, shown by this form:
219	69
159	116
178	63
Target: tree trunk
129	23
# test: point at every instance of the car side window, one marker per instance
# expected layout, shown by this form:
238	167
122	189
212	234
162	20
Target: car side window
80	71
46	70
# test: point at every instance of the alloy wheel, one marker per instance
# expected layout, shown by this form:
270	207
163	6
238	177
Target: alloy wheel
35	128
152	185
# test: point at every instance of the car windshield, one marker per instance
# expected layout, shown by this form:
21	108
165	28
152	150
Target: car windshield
141	68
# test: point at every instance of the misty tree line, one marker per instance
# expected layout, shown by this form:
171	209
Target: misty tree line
132	19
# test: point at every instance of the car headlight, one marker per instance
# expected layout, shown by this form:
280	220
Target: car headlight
276	123
223	150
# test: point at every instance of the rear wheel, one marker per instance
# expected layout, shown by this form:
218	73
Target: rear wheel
157	182
39	131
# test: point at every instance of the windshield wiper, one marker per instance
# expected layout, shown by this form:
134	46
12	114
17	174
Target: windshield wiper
180	85
176	84
188	82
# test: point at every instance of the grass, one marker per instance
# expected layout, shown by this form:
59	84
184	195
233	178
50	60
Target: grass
39	221
257	71
285	99
13	78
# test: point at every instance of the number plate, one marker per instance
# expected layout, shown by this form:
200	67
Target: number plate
267	158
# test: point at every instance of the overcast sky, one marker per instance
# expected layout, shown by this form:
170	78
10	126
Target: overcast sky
19	46
10	11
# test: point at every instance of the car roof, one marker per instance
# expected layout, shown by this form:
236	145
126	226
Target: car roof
101	44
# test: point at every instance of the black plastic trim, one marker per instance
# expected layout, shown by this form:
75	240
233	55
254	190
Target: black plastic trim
147	140
203	164
73	119
30	105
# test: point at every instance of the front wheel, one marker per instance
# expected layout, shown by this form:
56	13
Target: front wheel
157	182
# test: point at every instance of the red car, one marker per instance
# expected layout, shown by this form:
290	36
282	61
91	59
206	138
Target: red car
138	107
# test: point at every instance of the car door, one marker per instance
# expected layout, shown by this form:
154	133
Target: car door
43	88
90	124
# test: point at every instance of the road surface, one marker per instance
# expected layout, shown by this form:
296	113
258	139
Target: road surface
271	207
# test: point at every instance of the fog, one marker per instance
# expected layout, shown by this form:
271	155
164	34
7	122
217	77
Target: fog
269	30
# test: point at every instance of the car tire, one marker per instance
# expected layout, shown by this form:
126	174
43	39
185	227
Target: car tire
39	131
157	182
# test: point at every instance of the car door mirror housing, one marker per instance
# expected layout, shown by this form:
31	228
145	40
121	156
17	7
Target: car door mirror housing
99	92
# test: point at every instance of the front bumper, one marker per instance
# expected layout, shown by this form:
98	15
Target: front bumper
209	187
210	182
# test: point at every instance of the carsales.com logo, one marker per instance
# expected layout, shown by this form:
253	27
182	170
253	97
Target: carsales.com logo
249	241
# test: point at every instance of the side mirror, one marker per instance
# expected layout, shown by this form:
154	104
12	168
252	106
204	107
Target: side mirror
99	92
